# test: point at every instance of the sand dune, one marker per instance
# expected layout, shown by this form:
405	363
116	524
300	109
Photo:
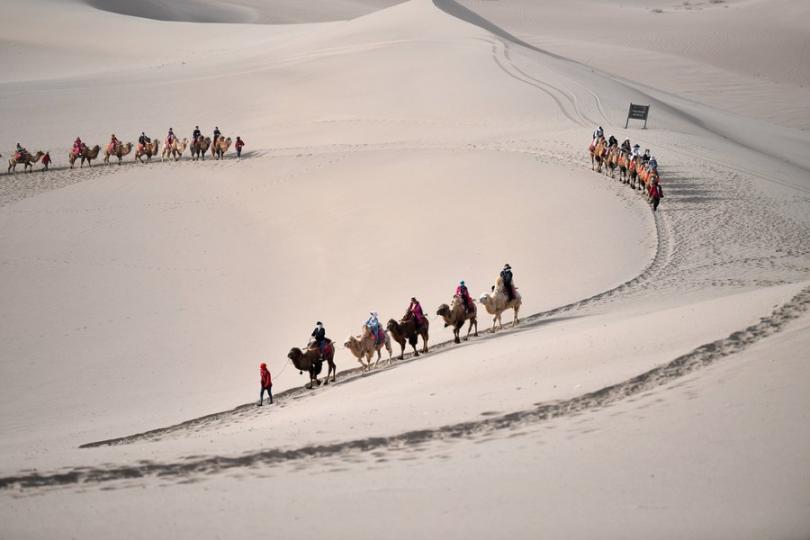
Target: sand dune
654	376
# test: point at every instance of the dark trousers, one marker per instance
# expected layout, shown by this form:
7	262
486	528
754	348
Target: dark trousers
238	152
655	202
269	394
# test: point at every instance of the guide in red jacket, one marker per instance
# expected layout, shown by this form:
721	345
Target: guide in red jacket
267	384
239	144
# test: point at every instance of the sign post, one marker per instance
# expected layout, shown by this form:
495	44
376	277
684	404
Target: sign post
637	112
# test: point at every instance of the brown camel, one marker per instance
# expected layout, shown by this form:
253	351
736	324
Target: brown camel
174	150
406	330
365	345
612	161
119	151
149	149
311	361
220	147
498	301
455	315
26	159
624	167
200	147
598	149
87	154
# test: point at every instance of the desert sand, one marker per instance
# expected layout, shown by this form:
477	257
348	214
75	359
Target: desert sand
656	386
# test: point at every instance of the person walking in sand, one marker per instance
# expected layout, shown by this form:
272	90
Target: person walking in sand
238	145
46	160
267	385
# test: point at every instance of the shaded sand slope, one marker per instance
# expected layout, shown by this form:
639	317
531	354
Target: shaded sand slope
245	11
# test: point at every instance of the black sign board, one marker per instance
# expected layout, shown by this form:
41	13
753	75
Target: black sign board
637	112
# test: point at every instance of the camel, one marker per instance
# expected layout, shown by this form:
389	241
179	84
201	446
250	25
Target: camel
119	151
310	361
455	315
149	149
648	177
624	167
26	159
498	301
612	161
87	154
632	172
598	149
200	147
220	147
365	345
406	330
174	150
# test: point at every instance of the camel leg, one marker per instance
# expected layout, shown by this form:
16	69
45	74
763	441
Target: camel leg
517	320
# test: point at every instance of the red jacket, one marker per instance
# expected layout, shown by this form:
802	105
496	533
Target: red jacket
239	144
266	380
463	292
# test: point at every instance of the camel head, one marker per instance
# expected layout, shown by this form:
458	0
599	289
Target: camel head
392	325
296	355
488	301
350	343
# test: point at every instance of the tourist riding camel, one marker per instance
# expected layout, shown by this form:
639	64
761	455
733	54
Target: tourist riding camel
319	337
464	295
598	134
374	326
506	276
20	152
170	138
217	134
77	147
112	146
143	140
626	147
415	312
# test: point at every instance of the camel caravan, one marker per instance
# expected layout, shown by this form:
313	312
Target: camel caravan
636	169
143	151
406	331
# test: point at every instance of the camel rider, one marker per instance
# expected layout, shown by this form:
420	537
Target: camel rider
415	311
20	151
319	336
636	151
373	324
506	277
217	134
143	140
598	134
114	142
626	147
612	142
646	157
77	146
464	293
170	137
196	134
653	164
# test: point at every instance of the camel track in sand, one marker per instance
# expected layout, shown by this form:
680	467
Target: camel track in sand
700	357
